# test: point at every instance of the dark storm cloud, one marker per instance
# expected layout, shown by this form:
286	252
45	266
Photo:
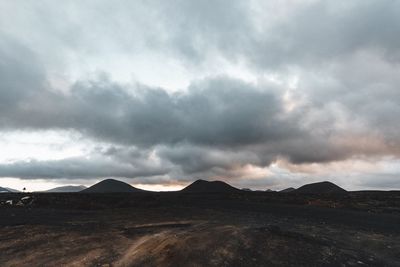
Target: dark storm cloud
220	111
194	159
78	168
218	123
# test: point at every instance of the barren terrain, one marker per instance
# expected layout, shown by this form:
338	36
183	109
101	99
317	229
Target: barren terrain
178	229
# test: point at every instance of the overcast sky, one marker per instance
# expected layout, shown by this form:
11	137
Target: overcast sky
159	93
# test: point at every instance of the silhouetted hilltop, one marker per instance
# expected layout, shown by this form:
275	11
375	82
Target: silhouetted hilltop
12	190
111	186
287	190
202	186
66	189
320	188
4	190
8	190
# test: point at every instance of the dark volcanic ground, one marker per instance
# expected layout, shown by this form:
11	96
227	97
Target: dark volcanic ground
178	229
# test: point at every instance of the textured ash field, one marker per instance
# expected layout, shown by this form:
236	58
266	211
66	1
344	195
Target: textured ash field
178	229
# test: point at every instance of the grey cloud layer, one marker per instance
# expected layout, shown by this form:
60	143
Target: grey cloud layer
219	111
78	168
313	31
219	123
344	56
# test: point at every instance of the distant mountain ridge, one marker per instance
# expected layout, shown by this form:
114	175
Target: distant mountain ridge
8	190
111	186
12	190
202	186
67	189
320	188
4	190
288	190
198	186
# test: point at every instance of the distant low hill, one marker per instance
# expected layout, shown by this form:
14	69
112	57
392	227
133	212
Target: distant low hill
66	189
12	190
320	188
111	186
288	190
202	186
4	190
8	190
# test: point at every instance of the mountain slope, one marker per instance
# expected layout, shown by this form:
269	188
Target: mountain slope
111	186
66	189
320	188
12	190
201	186
4	190
288	190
